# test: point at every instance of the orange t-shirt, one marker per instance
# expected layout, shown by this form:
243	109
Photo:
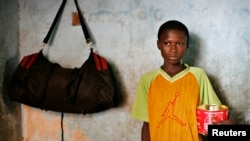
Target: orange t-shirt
169	103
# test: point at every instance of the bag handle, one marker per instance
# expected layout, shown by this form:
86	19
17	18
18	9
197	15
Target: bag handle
84	27
59	13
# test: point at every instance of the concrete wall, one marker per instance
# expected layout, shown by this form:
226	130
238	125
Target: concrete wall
10	112
124	31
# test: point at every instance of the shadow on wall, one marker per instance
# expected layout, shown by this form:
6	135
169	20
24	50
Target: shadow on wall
11	118
192	55
9	69
120	88
237	115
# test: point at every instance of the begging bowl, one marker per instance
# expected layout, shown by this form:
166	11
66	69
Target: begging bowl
210	114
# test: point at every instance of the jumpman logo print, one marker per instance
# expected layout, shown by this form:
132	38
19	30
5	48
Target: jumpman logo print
169	112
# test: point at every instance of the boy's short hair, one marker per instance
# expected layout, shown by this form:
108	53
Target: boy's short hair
173	24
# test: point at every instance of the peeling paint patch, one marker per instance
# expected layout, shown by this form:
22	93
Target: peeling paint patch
41	125
77	135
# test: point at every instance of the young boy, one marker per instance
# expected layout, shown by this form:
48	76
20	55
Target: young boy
166	98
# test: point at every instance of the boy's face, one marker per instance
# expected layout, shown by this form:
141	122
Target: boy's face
173	45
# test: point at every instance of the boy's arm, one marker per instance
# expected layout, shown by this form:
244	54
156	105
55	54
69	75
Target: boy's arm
145	135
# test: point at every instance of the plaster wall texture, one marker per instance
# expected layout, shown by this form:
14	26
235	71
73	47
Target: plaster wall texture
10	125
125	32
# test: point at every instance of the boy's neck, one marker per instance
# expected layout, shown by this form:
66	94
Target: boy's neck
172	70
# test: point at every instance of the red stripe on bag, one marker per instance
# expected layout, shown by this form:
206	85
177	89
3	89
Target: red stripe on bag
31	60
104	63
24	60
97	62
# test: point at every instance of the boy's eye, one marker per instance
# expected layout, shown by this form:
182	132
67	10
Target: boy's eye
167	43
180	44
175	44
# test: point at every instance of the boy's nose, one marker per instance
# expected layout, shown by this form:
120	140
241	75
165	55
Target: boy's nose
173	47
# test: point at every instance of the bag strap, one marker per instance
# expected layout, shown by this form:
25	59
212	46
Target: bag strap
85	32
59	13
84	27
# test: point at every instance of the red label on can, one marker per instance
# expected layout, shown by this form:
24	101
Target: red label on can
206	117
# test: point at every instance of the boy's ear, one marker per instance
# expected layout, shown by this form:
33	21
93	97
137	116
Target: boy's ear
158	44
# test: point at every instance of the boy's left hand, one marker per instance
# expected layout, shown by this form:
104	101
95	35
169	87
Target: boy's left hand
226	122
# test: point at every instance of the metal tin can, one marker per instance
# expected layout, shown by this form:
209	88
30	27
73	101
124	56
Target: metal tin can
209	114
